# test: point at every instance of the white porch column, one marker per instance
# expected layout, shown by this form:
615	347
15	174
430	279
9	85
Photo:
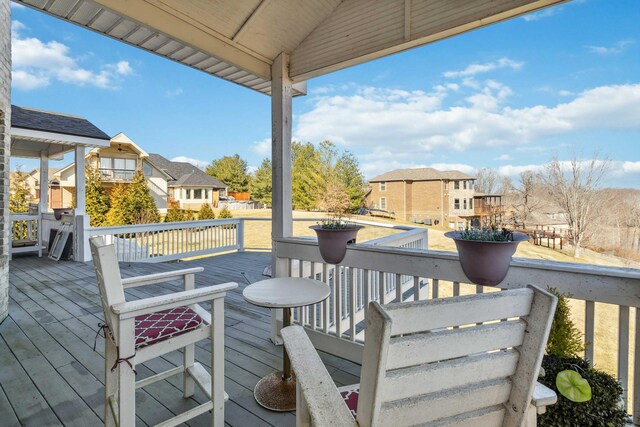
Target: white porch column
5	146
81	241
44	182
282	223
281	215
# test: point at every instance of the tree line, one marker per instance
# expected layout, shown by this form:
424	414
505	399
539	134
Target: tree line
316	172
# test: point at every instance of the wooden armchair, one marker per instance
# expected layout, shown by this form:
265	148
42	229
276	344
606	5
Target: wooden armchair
136	331
463	361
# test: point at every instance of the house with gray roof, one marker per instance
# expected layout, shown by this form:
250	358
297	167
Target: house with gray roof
188	185
425	195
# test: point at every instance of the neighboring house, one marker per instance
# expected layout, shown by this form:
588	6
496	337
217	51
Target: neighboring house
425	194
117	165
188	185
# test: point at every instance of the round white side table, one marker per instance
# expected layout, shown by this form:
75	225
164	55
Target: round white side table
277	391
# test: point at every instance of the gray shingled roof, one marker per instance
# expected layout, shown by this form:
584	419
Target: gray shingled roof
420	174
46	121
184	174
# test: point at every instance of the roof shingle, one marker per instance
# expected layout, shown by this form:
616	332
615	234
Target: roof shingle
47	121
184	174
420	174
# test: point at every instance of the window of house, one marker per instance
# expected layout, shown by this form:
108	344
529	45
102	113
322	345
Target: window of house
383	203
106	163
383	186
197	193
146	167
456	203
188	192
206	194
470	203
456	185
464	204
464	184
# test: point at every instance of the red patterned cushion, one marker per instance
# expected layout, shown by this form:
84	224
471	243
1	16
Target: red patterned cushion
162	325
351	399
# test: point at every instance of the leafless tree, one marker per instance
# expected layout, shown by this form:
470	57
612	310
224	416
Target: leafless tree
487	180
574	187
526	202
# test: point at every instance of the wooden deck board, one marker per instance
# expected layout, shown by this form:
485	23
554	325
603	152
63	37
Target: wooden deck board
52	376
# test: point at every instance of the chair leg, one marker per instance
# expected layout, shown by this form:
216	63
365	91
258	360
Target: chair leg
126	375
217	362
188	359
110	382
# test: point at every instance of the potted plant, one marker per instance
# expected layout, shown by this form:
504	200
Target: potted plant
335	233
485	253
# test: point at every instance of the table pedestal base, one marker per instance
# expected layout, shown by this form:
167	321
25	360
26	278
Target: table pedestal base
275	394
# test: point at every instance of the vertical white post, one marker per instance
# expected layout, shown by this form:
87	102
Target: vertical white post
80	184
281	116
5	148
44	182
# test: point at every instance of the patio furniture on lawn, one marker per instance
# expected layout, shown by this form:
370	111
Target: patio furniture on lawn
436	362
277	391
136	331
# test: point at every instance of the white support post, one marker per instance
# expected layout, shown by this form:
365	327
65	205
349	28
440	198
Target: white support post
81	249
44	182
5	152
281	116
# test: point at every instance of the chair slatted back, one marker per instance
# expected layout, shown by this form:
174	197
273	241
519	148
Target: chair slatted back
470	360
105	263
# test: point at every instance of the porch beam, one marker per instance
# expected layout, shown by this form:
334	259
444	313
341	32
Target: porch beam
44	181
80	208
281	116
171	22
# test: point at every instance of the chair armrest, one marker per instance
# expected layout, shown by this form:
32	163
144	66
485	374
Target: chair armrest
542	397
129	309
151	279
324	403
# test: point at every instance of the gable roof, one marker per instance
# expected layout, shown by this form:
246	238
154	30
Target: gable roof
47	121
420	174
184	174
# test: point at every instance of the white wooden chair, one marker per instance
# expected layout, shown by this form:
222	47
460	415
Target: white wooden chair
436	362
136	331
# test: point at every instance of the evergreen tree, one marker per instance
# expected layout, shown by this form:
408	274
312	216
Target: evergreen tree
142	207
261	186
19	195
231	170
174	214
119	213
225	213
347	170
97	200
206	212
565	339
307	180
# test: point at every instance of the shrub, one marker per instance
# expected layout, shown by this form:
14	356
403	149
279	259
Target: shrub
206	212
225	213
565	340
175	215
602	410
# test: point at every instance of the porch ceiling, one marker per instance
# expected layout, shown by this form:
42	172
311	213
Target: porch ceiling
239	40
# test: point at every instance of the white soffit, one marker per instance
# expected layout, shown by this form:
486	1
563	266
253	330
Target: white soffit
238	40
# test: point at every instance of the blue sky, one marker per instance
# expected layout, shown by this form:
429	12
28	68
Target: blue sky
562	82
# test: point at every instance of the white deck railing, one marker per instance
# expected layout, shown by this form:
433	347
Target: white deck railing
372	273
25	233
169	241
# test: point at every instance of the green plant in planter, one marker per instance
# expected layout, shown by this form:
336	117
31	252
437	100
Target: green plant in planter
487	234
586	396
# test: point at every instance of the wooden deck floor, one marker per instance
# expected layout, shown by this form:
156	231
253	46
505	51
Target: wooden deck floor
50	374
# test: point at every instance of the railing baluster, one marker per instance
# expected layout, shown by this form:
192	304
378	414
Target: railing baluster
398	287
589	333
352	303
382	278
456	289
417	291
366	288
436	288
636	372
326	319
623	351
337	311
314	308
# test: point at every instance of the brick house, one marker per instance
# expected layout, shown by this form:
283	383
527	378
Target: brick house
425	194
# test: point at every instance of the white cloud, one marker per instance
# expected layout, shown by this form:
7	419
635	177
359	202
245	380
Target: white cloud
36	64
546	13
175	92
514	171
409	126
462	167
565	93
17	6
474	69
263	147
631	167
195	162
615	49
503	158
